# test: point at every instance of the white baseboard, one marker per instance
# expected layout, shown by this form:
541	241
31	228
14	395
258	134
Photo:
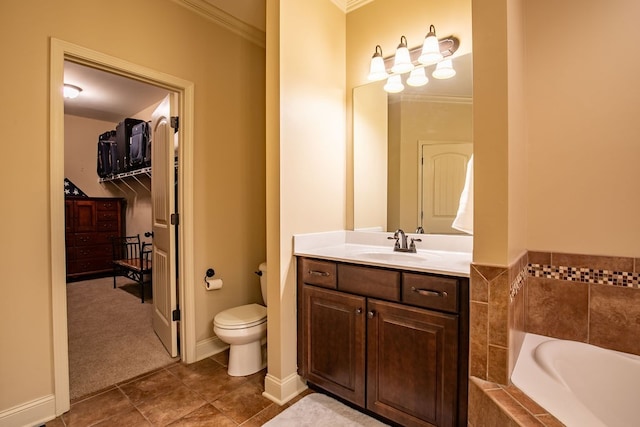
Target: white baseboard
208	347
283	390
34	413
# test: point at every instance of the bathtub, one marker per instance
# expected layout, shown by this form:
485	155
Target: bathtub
580	384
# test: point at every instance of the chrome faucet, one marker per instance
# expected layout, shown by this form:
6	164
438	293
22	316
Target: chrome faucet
401	242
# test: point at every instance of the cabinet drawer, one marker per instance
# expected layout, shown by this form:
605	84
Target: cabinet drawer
104	205
108	215
439	293
101	251
319	273
107	226
368	281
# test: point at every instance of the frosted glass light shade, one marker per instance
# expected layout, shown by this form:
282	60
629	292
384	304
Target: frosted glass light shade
417	77
402	62
377	71
394	84
444	70
430	48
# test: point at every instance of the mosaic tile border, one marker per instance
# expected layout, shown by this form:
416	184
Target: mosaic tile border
585	275
518	283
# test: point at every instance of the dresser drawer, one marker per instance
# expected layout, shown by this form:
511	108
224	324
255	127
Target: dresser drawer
319	273
104	205
369	281
438	293
108	215
99	251
107	226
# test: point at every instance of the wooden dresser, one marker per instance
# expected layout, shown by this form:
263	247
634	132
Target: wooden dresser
90	223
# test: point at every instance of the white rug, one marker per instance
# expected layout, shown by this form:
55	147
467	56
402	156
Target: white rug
319	410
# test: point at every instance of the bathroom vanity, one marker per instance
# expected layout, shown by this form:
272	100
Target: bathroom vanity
389	338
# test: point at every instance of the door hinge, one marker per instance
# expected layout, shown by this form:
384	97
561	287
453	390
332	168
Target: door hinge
175	219
175	315
175	122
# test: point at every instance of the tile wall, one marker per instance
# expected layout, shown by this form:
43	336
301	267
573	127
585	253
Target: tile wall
593	299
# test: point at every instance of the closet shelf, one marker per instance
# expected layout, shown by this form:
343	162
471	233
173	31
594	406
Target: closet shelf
133	173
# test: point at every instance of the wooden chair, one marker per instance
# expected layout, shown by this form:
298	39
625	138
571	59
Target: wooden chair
131	259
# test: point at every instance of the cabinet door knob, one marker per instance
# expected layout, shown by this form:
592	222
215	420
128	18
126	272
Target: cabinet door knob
370	314
358	310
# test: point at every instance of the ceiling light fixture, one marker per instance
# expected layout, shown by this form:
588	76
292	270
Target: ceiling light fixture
432	51
71	91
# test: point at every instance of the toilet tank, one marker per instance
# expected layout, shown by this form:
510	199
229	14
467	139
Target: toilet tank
263	281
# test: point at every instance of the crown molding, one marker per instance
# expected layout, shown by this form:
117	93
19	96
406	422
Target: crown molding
355	4
222	18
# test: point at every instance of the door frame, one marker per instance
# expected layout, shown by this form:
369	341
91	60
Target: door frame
59	52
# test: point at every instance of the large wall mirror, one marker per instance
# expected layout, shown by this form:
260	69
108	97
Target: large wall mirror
411	151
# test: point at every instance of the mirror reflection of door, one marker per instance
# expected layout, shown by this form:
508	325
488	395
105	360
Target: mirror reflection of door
443	167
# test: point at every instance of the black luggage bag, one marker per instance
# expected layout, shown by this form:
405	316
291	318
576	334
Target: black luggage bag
123	143
107	153
139	145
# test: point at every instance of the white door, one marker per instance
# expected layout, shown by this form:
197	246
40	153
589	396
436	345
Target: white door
163	202
444	167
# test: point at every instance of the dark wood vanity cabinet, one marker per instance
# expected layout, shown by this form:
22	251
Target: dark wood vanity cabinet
368	336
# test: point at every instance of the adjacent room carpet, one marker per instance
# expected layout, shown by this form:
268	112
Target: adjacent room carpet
111	337
319	410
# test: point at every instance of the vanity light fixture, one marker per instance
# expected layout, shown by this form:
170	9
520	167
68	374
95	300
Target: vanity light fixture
432	51
444	70
377	70
71	91
417	77
394	84
430	48
402	62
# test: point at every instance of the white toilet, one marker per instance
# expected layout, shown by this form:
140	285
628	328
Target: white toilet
244	328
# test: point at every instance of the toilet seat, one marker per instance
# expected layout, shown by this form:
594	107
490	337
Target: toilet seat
244	316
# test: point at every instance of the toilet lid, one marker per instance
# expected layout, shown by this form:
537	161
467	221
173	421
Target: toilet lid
244	316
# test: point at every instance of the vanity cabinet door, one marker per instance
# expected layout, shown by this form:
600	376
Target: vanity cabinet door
412	364
334	342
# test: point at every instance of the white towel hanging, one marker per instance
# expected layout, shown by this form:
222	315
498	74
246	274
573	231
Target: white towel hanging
464	217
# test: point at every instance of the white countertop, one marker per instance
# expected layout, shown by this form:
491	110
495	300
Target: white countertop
440	254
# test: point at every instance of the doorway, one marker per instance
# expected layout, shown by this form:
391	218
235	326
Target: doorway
106	323
61	51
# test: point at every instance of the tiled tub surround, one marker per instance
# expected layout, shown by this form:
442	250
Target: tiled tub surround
593	299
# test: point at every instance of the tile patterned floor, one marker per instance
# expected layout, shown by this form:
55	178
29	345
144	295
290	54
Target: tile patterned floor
200	394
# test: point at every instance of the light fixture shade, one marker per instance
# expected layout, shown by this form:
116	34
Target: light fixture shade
71	91
430	48
377	71
417	77
402	62
444	70
394	84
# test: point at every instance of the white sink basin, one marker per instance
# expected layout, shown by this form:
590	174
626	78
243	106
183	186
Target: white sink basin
400	257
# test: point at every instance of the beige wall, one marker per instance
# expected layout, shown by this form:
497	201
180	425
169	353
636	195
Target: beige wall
306	127
229	165
582	126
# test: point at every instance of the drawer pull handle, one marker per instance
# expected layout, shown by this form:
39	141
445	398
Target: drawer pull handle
429	292
371	314
319	273
358	310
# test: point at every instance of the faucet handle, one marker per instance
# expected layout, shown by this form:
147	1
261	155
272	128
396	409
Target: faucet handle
396	238
412	247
